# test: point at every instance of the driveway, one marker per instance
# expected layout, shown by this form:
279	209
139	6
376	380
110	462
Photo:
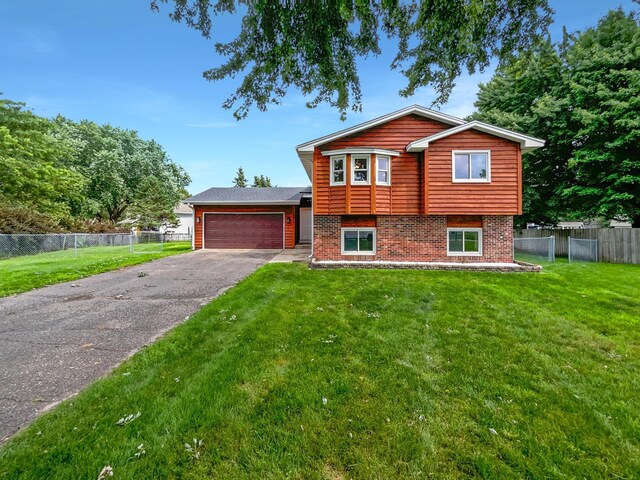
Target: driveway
55	340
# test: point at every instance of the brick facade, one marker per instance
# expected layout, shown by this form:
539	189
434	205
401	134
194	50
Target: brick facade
413	238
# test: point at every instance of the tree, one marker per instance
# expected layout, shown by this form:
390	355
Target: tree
240	180
152	207
582	97
261	181
315	46
118	165
34	174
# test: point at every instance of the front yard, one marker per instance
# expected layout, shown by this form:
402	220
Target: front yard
21	274
369	374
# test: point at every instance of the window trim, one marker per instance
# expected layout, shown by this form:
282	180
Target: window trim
388	158
358	229
344	170
353	168
463	253
470	180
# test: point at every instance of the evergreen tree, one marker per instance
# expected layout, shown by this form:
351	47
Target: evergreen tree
240	180
581	96
261	181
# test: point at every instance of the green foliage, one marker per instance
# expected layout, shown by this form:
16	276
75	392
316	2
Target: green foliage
261	181
582	97
34	174
120	166
315	46
240	180
152	206
59	175
443	375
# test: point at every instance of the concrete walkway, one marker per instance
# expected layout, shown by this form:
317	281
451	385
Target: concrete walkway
301	254
55	340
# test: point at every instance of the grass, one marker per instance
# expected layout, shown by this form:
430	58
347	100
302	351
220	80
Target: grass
370	374
21	274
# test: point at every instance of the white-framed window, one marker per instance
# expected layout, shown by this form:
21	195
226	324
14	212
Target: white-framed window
471	165
383	170
464	241
337	170
358	241
360	169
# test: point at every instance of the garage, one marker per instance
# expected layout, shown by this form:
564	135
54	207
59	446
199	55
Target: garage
244	230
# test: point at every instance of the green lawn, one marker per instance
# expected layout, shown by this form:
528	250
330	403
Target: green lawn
370	374
21	274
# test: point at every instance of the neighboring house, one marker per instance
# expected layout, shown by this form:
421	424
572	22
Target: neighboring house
275	217
184	214
416	185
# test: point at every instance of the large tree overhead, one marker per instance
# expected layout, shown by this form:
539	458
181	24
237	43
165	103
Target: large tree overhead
314	46
582	97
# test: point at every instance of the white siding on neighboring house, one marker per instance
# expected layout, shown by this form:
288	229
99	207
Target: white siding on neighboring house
185	220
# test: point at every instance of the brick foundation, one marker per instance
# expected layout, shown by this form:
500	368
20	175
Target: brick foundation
414	238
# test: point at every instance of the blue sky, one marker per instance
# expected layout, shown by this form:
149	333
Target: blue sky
114	61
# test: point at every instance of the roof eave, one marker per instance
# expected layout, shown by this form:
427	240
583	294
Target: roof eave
288	202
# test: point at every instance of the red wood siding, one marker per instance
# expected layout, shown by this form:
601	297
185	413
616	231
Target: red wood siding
358	221
468	221
404	196
498	197
288	210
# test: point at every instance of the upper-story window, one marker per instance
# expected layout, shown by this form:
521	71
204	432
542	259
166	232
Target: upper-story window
337	170
360	169
471	166
383	169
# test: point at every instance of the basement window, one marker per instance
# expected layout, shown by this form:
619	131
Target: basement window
464	241
358	241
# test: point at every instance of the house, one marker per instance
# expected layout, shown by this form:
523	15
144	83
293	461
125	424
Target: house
184	214
416	185
275	217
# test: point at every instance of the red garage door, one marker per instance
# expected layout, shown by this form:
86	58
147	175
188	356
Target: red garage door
243	230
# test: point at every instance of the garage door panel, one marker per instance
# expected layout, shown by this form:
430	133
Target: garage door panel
243	230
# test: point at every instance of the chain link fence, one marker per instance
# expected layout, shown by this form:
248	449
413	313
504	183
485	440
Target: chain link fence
76	244
534	249
583	250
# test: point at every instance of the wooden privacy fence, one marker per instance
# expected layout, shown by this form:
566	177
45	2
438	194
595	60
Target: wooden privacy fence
615	245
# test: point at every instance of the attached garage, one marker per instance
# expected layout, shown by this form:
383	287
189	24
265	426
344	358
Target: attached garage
244	230
261	218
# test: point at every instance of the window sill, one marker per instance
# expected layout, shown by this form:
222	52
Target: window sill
356	254
464	254
456	180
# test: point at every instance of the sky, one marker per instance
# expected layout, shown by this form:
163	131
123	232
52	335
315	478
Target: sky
117	62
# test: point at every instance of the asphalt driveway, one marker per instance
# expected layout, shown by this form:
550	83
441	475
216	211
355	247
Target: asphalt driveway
55	340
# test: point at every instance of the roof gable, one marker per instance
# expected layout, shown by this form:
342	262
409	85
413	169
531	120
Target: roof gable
526	142
308	147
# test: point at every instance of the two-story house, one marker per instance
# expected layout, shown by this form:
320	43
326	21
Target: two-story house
416	185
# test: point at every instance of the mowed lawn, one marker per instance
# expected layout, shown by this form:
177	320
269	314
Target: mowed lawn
20	274
369	374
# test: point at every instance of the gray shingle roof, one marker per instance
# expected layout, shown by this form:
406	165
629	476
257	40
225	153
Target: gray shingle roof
238	195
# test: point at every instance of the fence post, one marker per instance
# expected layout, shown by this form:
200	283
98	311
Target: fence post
131	242
569	248
597	258
552	251
75	245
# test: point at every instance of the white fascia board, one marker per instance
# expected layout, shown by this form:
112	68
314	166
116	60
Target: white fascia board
356	150
414	109
307	162
526	142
